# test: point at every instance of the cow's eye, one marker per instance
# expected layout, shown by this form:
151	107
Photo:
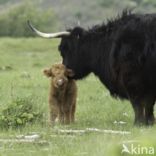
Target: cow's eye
63	54
63	47
59	48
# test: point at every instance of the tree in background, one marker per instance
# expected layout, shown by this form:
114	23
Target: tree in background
13	21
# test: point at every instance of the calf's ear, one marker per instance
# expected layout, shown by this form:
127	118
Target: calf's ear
47	72
69	73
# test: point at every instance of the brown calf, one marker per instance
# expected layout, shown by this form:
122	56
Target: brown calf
63	93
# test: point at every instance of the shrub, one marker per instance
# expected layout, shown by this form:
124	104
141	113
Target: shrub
19	113
13	22
147	2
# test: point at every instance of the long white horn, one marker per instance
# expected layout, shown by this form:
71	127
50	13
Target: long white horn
48	35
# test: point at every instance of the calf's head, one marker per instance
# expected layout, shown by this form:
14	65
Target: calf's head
59	74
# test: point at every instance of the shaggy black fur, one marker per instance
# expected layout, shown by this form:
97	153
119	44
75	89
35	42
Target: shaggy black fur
122	53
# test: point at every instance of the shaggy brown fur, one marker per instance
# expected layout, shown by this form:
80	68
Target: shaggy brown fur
63	93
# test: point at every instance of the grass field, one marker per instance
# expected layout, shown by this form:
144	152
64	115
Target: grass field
21	64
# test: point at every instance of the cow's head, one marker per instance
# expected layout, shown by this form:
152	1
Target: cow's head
71	49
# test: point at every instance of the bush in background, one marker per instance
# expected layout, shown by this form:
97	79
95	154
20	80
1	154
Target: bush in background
20	112
3	1
13	22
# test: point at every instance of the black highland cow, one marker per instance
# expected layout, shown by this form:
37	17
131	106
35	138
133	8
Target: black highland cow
122	53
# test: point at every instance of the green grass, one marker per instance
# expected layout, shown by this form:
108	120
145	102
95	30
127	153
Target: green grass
26	59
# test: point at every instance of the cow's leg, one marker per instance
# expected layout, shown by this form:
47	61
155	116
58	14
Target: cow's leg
133	85
138	107
149	110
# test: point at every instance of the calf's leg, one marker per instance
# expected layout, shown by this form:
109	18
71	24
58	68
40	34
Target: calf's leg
53	113
67	115
61	115
72	113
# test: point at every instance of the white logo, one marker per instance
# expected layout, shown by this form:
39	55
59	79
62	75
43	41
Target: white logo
125	149
137	149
